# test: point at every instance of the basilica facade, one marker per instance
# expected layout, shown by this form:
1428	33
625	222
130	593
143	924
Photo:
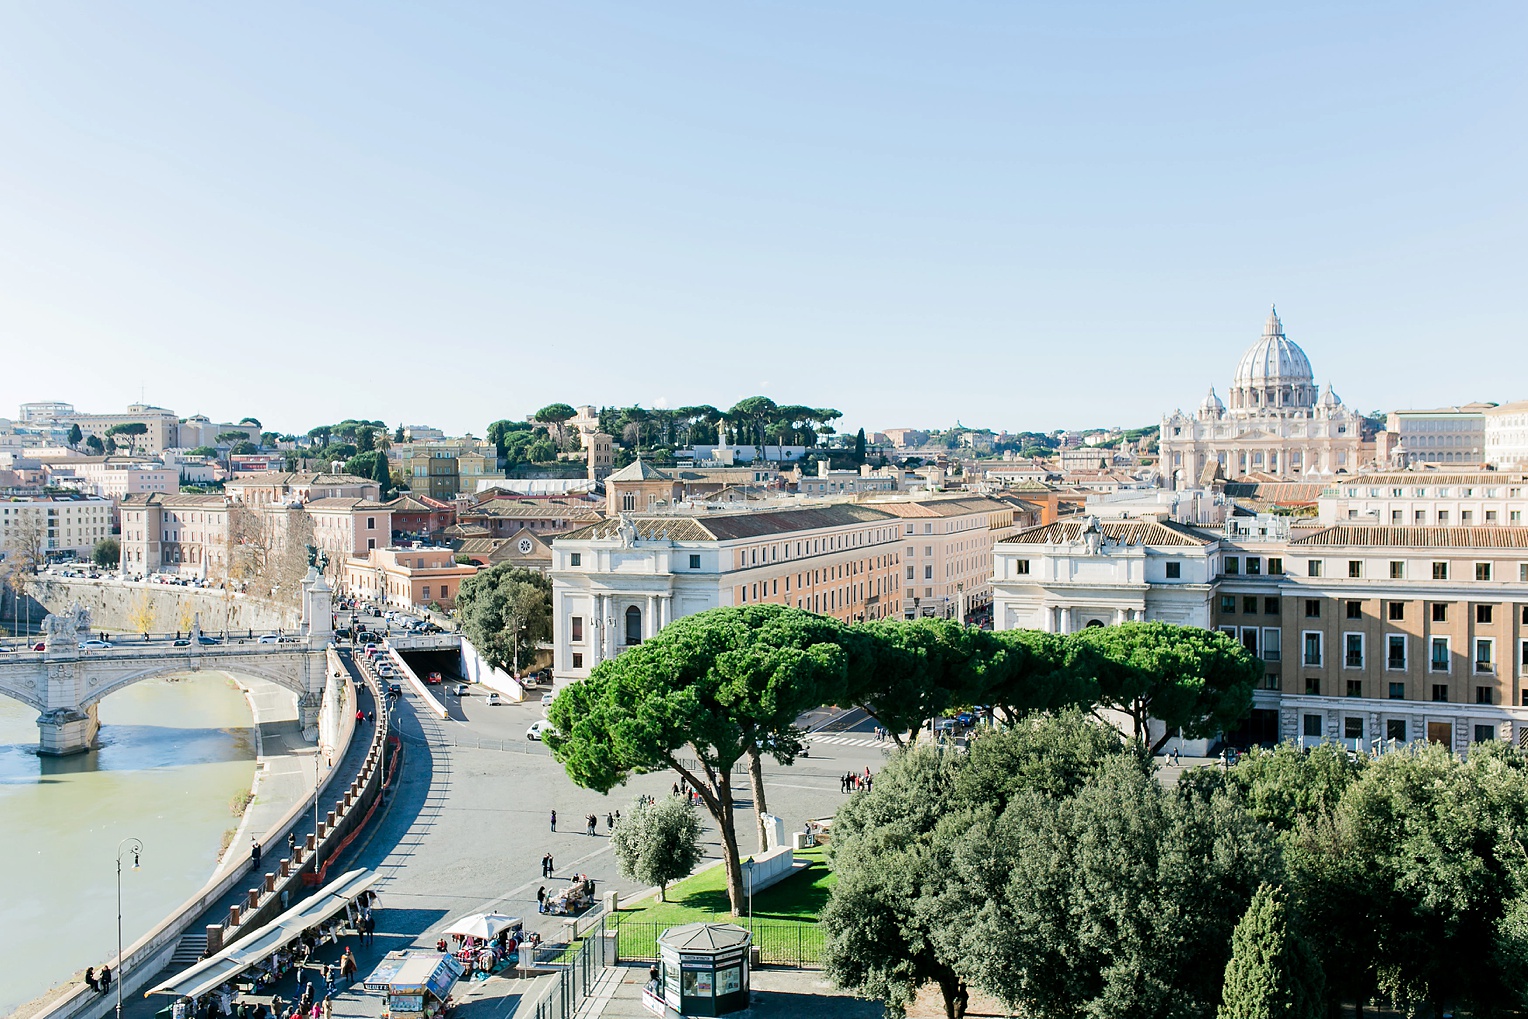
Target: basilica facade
1278	424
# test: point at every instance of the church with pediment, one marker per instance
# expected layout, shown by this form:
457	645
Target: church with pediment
1279	425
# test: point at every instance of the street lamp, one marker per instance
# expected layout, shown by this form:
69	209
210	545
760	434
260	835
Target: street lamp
318	758
137	848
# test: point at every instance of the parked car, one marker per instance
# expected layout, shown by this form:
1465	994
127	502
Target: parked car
539	729
267	638
493	698
92	645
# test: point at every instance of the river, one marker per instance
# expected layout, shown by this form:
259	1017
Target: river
173	757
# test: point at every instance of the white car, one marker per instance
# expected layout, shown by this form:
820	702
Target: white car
546	701
493	699
91	645
267	638
386	671
540	729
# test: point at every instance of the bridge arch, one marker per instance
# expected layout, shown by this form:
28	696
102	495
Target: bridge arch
294	678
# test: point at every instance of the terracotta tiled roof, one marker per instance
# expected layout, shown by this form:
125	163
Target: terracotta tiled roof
638	470
1123	532
1418	537
941	507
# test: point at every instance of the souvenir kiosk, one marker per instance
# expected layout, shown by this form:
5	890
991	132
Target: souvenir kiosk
415	984
703	968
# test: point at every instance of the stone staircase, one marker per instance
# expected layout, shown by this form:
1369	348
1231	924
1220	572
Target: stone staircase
189	952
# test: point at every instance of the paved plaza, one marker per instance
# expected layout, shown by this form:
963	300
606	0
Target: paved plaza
469	822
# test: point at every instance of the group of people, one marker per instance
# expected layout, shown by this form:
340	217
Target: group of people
683	789
851	781
482	955
100	984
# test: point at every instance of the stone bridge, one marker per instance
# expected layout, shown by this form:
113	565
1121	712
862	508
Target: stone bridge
67	680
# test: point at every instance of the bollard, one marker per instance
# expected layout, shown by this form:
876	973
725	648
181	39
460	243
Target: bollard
233	920
312	842
286	868
254	898
321	830
349	799
297	855
330	820
270	882
214	938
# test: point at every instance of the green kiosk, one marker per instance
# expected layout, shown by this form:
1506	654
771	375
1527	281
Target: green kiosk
704	968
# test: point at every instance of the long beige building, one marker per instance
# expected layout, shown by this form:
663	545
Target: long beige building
947	551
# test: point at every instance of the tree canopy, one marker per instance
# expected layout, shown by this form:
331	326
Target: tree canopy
505	610
658	842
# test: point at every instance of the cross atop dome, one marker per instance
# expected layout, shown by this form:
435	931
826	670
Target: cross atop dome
1273	327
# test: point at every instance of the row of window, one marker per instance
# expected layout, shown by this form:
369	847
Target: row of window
1314	727
1395	611
1466	517
1440	569
1440	652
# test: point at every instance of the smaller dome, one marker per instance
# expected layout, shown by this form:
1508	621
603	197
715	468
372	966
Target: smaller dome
1330	399
1212	407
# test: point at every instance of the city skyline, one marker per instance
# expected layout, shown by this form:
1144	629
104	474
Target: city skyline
431	216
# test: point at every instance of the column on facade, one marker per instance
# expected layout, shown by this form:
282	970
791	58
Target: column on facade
665	610
599	628
650	618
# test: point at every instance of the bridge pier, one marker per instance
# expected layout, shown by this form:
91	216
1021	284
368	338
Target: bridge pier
65	731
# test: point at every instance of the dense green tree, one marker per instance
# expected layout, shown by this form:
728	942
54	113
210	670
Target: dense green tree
697	698
1195	682
107	553
657	842
230	437
364	465
244	448
365	440
859	446
1272	973
210	452
75	436
398	433
554	414
131	431
96	447
541	451
504	611
382	474
255	422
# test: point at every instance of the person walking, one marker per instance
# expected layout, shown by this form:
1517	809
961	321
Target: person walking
347	968
254	853
554	820
541	899
291	843
609	821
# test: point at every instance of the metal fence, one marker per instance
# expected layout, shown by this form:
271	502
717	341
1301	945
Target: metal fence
778	944
578	968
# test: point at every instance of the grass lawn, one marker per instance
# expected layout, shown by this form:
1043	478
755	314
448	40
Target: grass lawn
799	899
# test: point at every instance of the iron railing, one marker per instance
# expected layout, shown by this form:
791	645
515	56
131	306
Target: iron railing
779	944
578	967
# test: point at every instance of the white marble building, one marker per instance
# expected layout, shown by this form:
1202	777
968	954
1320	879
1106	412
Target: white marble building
1277	422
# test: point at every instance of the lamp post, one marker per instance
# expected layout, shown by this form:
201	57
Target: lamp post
318	758
137	848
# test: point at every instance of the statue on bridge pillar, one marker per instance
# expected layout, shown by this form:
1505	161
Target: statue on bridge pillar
61	632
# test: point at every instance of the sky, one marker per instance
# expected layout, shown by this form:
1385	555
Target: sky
1011	215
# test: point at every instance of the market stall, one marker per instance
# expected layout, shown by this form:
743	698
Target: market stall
575	898
416	985
486	941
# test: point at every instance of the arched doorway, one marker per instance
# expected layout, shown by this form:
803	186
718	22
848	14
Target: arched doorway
1094	622
633	625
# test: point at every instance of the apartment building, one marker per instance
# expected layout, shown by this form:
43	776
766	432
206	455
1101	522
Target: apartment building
1506	435
1446	435
947	551
114	477
1368	633
1427	499
167	532
618	582
350	526
406	576
443	468
53	526
1394	633
163	426
281	487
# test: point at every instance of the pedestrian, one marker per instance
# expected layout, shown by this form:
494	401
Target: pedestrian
617	817
676	788
254	852
541	899
348	968
90	978
609	821
291	842
551	865
328	1012
105	984
554	820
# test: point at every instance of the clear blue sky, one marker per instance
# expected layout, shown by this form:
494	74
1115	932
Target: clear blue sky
1018	215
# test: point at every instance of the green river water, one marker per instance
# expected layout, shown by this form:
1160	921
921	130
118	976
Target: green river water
173	756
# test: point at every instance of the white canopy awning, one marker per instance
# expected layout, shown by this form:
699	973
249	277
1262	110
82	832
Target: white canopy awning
212	973
482	925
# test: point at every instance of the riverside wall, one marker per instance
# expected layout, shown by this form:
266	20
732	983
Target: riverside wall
354	801
112	604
